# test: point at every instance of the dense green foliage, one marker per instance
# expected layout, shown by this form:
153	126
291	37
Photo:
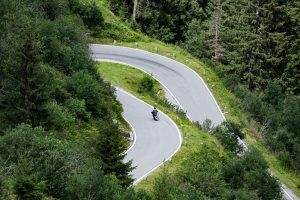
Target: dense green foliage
163	16
207	175
58	133
45	166
58	136
146	84
280	119
253	45
228	133
90	14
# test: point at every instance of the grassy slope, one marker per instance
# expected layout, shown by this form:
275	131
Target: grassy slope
193	139
224	97
116	29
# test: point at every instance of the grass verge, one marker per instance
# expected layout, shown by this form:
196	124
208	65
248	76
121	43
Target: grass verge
194	139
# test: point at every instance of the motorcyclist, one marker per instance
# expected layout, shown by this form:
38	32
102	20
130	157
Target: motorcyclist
154	112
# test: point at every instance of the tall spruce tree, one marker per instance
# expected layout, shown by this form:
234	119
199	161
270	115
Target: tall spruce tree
291	76
25	81
110	147
264	42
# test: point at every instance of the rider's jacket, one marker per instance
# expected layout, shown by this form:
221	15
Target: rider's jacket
154	112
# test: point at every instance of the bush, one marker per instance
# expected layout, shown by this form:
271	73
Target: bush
84	86
250	174
28	189
228	134
146	84
265	185
235	128
253	103
243	194
273	93
51	9
90	14
207	125
59	117
233	173
285	158
77	108
253	160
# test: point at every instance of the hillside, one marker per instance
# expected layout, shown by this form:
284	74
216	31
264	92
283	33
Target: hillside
58	133
61	125
238	109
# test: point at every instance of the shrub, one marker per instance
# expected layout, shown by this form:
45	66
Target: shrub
273	93
77	108
253	160
58	117
235	128
207	125
51	9
253	103
90	14
84	86
28	189
233	173
228	133
146	84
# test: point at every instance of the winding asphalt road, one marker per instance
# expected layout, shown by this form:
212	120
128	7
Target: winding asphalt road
154	142
184	88
182	83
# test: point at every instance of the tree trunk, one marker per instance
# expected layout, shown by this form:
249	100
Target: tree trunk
216	43
135	3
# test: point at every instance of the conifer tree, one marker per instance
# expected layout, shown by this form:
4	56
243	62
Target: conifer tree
26	82
110	147
264	42
291	77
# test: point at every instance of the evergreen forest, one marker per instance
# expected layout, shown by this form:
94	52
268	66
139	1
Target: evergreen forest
61	128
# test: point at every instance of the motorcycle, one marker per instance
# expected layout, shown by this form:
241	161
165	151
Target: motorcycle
155	117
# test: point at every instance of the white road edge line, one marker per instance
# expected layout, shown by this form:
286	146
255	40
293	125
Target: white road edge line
134	136
178	131
137	67
284	190
173	95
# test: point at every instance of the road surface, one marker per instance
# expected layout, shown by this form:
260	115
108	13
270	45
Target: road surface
184	87
184	84
155	141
